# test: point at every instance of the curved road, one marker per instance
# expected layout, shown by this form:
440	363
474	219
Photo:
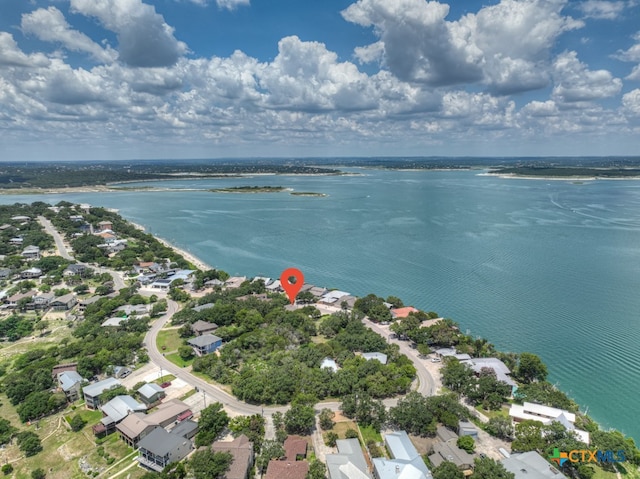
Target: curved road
231	403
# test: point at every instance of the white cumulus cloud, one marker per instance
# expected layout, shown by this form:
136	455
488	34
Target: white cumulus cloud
574	82
50	25
144	38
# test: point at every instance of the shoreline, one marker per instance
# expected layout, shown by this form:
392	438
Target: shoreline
511	176
190	257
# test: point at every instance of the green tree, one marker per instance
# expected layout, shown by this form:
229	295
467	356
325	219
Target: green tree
77	423
326	419
185	352
586	471
299	419
457	376
29	443
500	426
395	301
487	468
447	470
7	469
531	368
213	421
317	470
467	443
38	473
528	436
270	450
330	439
206	464
6	431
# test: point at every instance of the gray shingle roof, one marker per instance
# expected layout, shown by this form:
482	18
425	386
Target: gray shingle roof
160	442
204	340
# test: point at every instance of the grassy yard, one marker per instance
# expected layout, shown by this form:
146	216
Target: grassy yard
187	395
63	450
168	340
502	412
164	379
341	428
370	434
178	361
58	328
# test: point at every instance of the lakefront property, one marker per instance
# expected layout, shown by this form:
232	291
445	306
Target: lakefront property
136	367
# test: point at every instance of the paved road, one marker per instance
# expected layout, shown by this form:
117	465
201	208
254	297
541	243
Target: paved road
49	228
426	384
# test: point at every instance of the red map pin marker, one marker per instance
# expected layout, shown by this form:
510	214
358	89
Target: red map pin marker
290	288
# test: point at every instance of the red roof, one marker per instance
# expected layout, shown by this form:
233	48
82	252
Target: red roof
403	312
295	446
184	415
287	469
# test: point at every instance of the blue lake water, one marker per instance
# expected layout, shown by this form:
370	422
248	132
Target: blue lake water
551	267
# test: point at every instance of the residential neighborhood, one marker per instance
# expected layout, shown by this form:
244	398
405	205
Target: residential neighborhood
160	365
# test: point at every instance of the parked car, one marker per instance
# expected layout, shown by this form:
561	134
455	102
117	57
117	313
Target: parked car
165	384
435	360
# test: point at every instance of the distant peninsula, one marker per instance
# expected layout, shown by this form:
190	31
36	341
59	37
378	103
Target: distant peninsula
248	189
564	172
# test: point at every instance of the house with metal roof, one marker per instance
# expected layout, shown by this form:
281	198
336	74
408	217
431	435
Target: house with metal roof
405	462
150	393
160	448
333	297
379	356
64	302
71	384
92	392
329	363
531	465
117	409
31	252
497	366
349	462
202	307
546	415
205	344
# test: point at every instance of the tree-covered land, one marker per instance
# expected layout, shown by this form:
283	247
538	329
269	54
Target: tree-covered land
73	174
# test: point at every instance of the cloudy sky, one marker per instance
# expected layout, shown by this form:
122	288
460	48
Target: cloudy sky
121	79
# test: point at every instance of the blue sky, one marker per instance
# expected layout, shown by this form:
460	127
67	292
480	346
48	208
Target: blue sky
121	79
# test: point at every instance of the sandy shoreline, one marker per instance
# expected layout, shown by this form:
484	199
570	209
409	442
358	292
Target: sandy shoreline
197	262
510	176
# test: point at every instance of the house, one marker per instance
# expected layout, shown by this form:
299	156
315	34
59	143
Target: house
165	283
531	465
234	282
16	241
349	301
5	273
349	462
160	448
287	469
203	327
31	273
76	269
275	287
135	426
546	415
317	291
64	303
92	392
83	303
12	301
295	448
71	384
150	393
399	313
42	300
202	307
447	450
213	283
115	411
328	363
379	356
205	344
138	309
105	225
241	449
113	322
60	368
259	297
332	297
186	428
498	367
20	218
451	353
405	462
466	428
31	252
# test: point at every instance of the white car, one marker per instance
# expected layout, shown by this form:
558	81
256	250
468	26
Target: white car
435	360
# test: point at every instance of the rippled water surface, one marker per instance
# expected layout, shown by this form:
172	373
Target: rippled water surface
551	267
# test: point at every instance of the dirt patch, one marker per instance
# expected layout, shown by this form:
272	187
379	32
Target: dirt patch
339	417
65	453
424	445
